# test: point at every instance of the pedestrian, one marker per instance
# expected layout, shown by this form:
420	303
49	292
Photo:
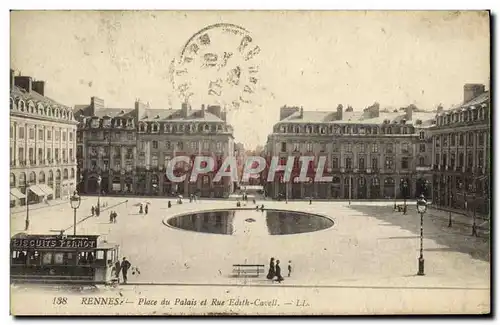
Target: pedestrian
114	216
124	268
92	210
117	269
111	217
271	272
310	201
253	201
97	211
146	209
26	225
289	268
279	278
169	204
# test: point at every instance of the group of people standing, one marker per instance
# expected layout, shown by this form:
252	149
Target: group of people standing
123	268
275	270
112	216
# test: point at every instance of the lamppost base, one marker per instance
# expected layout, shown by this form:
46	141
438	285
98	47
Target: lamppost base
421	266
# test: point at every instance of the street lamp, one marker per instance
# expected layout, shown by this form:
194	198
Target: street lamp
421	208
449	212
99	179
474	227
405	189
75	201
27	221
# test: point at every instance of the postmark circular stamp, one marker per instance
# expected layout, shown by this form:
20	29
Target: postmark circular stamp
219	64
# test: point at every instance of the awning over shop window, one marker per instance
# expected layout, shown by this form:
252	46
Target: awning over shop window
17	193
37	190
47	189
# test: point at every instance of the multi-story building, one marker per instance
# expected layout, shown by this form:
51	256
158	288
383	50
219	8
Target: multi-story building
370	154
131	148
461	142
42	144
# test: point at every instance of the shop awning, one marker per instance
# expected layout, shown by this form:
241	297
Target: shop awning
37	190
17	193
47	189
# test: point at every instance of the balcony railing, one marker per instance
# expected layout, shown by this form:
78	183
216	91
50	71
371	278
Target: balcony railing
32	162
22	163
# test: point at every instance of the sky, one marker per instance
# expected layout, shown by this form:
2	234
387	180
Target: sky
314	59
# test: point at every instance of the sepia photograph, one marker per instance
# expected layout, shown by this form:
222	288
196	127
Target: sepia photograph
250	163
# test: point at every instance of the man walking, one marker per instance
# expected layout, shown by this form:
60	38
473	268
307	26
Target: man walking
124	268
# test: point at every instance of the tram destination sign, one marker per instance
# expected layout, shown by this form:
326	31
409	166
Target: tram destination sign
54	242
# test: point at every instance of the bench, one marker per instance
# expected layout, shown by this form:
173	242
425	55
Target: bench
249	270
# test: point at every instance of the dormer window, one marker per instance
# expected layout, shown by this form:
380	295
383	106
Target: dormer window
403	121
166	128
418	122
322	130
181	128
283	129
297	129
386	121
155	127
375	130
206	127
142	127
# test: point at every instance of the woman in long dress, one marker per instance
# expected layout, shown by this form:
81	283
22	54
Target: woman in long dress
279	278
271	273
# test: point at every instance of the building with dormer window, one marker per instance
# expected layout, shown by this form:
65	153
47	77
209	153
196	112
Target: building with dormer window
131	148
369	153
461	141
42	144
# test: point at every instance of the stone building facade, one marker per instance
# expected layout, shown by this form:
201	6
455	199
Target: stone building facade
461	141
370	154
42	144
130	148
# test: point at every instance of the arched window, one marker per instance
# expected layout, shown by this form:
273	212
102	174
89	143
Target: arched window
58	175
41	177
421	161
12	180
375	181
22	179
12	103
65	173
361	181
51	176
389	180
72	173
32	178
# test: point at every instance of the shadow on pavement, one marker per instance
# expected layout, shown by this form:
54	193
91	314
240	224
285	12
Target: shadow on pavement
457	239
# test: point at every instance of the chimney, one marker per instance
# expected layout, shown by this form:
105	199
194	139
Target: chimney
471	91
286	111
39	87
215	109
11	78
202	110
339	112
440	108
409	112
301	112
24	83
184	109
223	116
96	103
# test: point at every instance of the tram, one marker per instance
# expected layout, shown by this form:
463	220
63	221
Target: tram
62	259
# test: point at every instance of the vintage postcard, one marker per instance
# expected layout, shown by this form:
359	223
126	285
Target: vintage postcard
250	162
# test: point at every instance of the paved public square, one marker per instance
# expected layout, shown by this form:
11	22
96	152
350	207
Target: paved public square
369	246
